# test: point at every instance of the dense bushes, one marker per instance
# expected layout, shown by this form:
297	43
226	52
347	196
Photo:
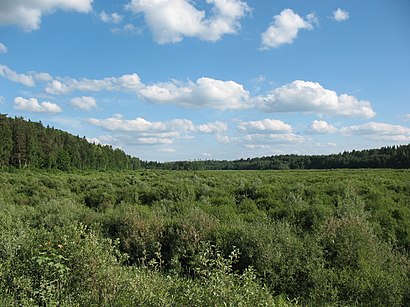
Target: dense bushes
205	238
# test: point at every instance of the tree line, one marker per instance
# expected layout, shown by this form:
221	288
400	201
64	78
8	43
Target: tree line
27	144
385	157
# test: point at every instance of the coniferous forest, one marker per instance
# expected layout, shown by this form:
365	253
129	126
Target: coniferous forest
26	144
128	235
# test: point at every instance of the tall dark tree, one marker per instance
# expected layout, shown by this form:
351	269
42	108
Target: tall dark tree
6	142
18	154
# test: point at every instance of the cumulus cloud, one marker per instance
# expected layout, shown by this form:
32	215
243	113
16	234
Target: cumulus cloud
41	76
29	79
262	134
33	105
265	126
11	75
27	13
172	20
3	48
372	130
215	127
128	82
340	15
223	139
152	133
152	141
141	125
311	97
297	96
114	18
85	103
379	131
285	28
321	126
205	92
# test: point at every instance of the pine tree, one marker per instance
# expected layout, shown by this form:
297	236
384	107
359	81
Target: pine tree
6	143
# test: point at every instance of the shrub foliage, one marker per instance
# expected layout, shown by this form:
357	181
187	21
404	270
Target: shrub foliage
205	238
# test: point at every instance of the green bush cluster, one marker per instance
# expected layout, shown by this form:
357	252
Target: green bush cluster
205	238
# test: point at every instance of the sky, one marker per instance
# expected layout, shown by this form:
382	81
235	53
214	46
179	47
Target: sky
168	80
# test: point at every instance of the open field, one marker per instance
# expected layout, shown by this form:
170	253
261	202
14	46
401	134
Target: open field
204	238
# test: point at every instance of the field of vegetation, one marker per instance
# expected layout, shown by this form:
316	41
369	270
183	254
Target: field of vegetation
205	238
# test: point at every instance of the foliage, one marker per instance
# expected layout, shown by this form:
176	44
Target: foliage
155	238
26	144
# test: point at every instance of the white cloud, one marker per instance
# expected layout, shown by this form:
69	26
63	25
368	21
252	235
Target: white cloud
263	133
152	141
215	127
140	125
114	18
129	82
27	13
85	103
205	92
41	76
285	28
297	96
11	75
2	100
340	15
223	139
379	131
151	133
311	97
320	126
3	48
168	128
265	126
372	130
28	79
172	20
33	105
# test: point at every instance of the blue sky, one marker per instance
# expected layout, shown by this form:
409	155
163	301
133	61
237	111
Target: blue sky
217	79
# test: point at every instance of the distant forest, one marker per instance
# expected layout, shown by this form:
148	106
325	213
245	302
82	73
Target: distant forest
26	144
385	157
